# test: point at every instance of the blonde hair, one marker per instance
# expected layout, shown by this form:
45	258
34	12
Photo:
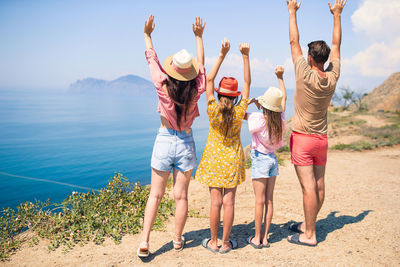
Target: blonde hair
227	109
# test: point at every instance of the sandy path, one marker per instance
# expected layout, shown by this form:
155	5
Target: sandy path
358	224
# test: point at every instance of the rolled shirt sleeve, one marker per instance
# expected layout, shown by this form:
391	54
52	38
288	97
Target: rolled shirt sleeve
157	73
334	68
301	68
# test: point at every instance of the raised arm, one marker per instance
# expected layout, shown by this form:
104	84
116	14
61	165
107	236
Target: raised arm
148	29
213	72
245	49
198	28
279	70
336	11
293	6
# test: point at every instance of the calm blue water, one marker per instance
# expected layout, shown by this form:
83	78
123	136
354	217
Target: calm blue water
80	140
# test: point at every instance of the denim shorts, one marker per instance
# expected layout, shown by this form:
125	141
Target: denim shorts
174	149
263	165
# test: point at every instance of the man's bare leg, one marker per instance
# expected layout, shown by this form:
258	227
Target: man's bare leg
308	184
319	174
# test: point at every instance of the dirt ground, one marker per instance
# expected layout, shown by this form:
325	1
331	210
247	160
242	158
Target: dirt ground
357	226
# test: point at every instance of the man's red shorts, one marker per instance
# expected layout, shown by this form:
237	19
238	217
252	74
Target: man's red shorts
308	149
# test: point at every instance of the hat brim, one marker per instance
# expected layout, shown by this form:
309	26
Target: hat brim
267	106
190	75
237	93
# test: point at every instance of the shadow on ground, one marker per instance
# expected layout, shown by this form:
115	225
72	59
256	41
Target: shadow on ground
278	232
332	223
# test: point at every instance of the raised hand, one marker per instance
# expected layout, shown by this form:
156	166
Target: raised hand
149	25
337	8
225	47
255	101
198	27
244	49
279	70
293	6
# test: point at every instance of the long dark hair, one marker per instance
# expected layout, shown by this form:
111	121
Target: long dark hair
227	109
273	125
182	93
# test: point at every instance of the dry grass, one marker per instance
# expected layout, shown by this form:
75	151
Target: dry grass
387	134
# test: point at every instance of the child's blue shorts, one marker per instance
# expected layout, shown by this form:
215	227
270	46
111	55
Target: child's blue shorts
174	149
263	165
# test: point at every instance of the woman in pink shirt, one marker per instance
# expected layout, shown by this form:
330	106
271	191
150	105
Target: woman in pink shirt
266	129
179	84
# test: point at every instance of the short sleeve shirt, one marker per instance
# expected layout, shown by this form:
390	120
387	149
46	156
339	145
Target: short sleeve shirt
312	96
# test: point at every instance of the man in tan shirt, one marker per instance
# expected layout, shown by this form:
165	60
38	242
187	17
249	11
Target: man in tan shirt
315	87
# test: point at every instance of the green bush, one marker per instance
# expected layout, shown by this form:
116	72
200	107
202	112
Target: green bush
281	161
82	217
247	164
357	146
341	146
384	136
285	148
359	122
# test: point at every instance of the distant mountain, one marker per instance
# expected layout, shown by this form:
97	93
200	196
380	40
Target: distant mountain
386	96
129	84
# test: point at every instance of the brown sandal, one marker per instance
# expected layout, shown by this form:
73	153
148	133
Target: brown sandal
143	250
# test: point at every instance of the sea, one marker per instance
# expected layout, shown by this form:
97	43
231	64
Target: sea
54	142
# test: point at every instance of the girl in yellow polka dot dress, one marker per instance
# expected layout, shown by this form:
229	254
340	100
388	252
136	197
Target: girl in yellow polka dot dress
222	164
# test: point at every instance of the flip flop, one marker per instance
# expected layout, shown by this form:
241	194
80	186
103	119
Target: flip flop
234	246
295	227
143	252
296	240
179	243
205	244
266	245
252	244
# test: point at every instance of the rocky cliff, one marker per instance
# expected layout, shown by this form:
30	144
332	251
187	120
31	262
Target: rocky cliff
386	96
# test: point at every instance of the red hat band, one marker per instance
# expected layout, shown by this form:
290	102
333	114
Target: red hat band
228	86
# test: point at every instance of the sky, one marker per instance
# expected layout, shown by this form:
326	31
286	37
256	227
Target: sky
51	44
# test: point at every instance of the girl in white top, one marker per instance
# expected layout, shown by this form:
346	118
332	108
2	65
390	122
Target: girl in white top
266	129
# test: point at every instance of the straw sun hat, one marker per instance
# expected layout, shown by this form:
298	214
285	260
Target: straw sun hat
272	99
181	66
